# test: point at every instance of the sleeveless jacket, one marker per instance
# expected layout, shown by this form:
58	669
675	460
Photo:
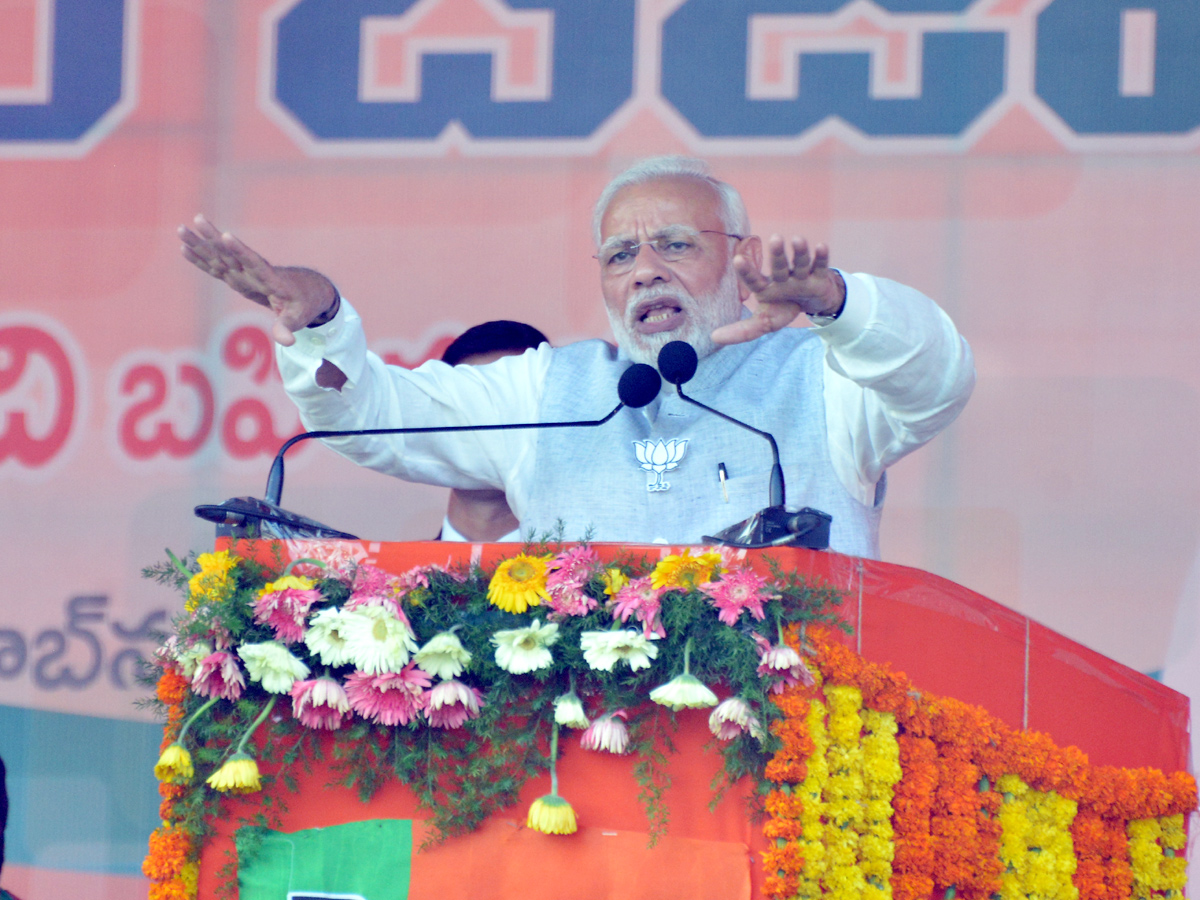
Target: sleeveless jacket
592	480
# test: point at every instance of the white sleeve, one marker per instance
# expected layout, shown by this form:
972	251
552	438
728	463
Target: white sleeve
377	395
896	373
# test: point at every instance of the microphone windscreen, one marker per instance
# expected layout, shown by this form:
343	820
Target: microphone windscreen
639	385
677	362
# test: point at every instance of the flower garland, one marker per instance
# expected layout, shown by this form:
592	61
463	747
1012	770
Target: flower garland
172	862
414	676
978	808
1036	844
1159	869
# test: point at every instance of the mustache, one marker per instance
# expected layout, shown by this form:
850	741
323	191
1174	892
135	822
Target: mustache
654	292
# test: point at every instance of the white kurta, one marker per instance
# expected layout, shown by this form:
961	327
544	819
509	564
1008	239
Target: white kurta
895	373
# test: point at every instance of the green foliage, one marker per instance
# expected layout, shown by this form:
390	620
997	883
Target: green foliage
461	776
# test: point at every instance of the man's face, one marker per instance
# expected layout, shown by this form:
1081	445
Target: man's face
656	301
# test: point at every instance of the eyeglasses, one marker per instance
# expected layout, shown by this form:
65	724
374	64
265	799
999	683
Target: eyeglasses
673	246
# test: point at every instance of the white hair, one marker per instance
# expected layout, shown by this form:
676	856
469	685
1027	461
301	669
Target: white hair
732	209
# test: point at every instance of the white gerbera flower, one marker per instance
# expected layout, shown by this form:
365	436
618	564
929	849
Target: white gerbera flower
443	656
376	640
568	711
189	657
604	649
683	692
273	665
521	650
326	636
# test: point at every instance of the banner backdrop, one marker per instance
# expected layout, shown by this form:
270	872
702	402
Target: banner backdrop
1030	164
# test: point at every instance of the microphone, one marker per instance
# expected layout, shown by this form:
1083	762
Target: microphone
773	526
639	384
677	362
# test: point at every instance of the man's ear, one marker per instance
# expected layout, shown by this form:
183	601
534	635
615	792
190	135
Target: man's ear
752	249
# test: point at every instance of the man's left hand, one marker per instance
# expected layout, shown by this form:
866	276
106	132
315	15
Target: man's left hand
797	282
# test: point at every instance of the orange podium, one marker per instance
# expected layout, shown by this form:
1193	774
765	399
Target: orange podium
941	745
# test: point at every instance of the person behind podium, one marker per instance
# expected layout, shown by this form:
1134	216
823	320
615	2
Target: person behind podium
484	515
881	373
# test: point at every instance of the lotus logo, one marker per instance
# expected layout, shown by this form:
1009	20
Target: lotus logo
658	457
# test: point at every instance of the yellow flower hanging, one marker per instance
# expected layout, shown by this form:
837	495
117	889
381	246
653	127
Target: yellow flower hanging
174	766
552	814
519	583
685	571
239	775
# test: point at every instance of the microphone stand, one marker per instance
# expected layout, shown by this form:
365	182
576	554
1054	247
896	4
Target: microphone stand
774	526
251	517
771	527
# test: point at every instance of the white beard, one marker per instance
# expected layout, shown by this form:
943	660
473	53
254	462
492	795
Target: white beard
705	313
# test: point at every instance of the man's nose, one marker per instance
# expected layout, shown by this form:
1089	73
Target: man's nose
649	267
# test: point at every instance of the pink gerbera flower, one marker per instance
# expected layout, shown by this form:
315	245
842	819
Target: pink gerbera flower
607	732
738	590
393	698
733	718
783	663
569	599
218	675
374	587
576	566
320	703
451	703
639	598
284	604
566	578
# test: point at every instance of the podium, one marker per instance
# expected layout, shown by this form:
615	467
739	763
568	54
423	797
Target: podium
1010	673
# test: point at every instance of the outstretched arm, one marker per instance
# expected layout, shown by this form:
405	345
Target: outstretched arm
798	280
298	297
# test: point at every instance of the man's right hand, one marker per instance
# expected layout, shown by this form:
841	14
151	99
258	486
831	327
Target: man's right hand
296	296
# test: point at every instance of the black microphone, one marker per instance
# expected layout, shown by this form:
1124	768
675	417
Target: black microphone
638	385
677	362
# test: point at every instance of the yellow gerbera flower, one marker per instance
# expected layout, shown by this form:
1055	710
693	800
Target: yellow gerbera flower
239	775
686	571
519	583
552	814
175	765
614	580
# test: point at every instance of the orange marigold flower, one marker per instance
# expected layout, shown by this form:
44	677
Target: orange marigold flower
783	805
169	890
170	847
172	687
783	829
781	886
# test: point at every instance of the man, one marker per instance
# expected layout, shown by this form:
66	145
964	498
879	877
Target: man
881	374
484	515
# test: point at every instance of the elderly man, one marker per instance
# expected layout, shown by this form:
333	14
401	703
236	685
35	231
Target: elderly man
883	371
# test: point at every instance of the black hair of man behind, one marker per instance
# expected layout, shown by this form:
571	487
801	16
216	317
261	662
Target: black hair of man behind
492	336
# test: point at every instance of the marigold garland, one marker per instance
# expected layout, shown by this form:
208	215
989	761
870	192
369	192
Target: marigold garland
978	807
171	862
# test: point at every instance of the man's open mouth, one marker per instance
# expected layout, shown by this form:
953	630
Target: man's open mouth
654	316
